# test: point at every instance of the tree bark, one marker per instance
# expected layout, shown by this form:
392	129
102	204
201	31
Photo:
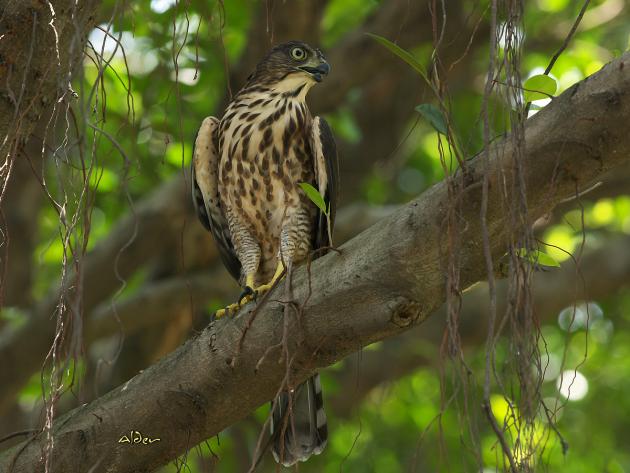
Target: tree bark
385	281
41	44
601	273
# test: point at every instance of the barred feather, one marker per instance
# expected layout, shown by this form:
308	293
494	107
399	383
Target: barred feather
298	424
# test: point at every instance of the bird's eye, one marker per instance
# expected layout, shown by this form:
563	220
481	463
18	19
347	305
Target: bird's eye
298	54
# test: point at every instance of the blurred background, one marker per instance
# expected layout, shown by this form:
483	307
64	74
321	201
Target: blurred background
115	207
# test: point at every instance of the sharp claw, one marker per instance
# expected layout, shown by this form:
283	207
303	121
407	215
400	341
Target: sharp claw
247	292
232	309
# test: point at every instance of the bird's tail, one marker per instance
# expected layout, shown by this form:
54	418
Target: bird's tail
298	423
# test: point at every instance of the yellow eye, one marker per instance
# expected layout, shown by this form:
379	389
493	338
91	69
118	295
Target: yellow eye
298	54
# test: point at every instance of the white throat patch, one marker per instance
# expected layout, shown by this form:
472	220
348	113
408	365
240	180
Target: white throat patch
293	81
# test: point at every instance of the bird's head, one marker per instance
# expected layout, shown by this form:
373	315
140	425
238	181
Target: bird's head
293	61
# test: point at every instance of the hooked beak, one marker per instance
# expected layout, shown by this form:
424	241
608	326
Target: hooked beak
317	72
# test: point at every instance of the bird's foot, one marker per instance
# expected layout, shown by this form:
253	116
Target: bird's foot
254	292
263	288
247	295
250	293
233	309
229	310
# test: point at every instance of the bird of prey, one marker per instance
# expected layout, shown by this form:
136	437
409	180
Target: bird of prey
248	169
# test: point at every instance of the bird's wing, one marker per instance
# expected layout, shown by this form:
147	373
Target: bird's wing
205	192
326	177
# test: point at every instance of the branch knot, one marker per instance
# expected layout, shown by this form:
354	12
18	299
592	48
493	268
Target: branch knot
405	312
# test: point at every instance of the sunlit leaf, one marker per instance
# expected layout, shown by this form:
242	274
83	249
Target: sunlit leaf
434	116
402	54
314	195
539	87
537	257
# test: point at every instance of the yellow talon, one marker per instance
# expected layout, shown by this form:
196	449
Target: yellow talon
266	287
232	309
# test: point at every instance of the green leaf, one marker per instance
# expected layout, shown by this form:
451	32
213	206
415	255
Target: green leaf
537	257
315	196
402	54
539	87
434	116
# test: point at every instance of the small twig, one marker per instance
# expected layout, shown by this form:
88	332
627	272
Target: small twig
567	40
251	319
17	434
499	433
564	45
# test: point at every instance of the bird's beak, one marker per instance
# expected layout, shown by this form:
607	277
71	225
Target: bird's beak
317	71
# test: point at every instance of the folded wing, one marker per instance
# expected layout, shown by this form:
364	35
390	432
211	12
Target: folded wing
205	192
326	177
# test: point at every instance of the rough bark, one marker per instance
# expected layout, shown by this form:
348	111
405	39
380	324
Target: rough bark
155	303
385	281
41	43
601	273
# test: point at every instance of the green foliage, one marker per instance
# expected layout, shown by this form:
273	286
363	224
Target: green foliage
402	54
539	87
412	423
315	196
345	126
537	257
13	317
434	116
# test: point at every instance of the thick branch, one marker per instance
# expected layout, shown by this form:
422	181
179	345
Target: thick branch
385	281
601	273
155	303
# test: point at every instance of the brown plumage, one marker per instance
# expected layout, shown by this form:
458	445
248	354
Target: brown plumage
247	170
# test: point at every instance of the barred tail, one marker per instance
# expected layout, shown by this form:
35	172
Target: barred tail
298	423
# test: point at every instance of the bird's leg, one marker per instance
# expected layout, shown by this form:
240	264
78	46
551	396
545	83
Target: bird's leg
248	293
248	252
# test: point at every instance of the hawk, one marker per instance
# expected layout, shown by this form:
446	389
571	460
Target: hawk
247	170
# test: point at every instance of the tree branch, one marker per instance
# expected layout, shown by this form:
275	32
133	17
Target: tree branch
600	274
386	280
116	257
156	302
